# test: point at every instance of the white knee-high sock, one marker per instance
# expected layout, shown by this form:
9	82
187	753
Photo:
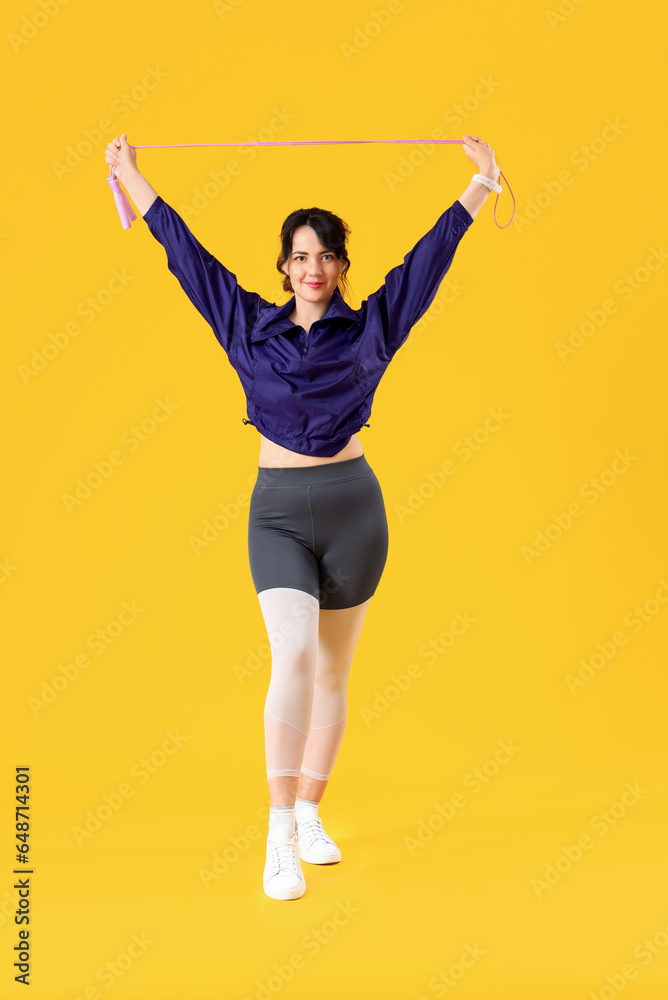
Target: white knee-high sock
328	717
291	619
321	749
338	635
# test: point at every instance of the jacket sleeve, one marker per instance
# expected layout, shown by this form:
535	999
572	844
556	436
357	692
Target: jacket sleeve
410	288
214	291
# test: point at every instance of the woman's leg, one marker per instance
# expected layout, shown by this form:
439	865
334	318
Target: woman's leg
291	619
337	638
322	532
351	541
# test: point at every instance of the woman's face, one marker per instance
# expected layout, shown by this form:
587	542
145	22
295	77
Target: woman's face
313	269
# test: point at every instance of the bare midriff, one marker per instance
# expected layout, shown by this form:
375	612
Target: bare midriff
274	456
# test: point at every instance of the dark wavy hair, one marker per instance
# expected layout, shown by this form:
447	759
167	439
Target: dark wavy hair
331	231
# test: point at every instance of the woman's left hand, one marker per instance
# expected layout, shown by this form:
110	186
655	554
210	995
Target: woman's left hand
482	155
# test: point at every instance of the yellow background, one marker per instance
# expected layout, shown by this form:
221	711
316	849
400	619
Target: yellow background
474	883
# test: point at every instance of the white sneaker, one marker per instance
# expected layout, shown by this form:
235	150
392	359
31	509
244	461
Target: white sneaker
283	877
315	846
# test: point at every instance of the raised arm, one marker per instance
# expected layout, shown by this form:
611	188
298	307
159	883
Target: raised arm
410	287
212	288
482	155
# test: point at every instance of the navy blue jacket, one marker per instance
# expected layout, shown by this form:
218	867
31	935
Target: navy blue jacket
309	392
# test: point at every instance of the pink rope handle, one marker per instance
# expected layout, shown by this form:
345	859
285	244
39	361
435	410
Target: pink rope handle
127	215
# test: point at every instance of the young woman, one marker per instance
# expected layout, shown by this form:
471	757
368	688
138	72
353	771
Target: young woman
317	526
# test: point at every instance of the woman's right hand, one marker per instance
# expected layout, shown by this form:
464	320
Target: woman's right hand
482	154
120	155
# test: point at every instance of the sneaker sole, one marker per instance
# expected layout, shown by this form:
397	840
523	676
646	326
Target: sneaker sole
286	894
315	860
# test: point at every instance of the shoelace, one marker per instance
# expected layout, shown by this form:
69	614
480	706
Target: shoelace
128	216
313	828
283	857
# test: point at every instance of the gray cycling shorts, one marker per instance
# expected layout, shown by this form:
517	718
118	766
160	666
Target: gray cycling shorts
321	529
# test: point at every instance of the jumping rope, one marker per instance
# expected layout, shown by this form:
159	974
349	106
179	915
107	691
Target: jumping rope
127	214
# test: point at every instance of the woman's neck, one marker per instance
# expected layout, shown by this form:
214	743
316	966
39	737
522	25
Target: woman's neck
304	313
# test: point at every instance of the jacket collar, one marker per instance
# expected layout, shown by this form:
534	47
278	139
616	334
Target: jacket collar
272	319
